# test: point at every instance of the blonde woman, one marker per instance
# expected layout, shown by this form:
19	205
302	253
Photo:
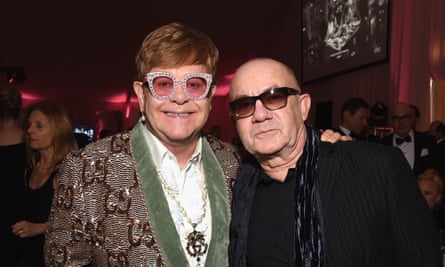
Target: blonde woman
431	186
49	138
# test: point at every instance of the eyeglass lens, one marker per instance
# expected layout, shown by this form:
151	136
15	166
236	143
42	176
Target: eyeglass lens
272	99
405	117
195	86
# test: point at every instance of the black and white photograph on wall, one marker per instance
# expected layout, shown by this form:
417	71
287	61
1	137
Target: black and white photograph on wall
340	35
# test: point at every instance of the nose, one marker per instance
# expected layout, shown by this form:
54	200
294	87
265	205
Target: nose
260	112
179	96
28	129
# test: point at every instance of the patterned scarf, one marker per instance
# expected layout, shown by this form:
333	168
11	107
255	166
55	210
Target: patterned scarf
308	230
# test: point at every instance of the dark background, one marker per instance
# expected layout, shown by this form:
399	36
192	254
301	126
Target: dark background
360	45
80	50
81	54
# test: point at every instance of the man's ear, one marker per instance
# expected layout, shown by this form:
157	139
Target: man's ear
139	91
212	91
305	105
210	95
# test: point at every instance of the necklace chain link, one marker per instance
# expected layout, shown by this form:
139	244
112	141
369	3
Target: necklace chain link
182	210
196	243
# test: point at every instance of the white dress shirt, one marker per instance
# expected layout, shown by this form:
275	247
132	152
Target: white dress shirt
188	185
406	147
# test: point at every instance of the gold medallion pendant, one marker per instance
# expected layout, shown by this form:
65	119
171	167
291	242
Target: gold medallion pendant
196	245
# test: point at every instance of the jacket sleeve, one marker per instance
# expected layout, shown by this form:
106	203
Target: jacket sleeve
374	213
415	239
68	241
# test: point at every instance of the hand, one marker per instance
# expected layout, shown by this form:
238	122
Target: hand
333	137
25	229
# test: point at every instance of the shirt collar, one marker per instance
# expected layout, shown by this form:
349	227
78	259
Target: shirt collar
410	133
344	130
159	151
267	179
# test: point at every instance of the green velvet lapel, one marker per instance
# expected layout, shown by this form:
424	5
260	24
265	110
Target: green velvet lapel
162	223
219	204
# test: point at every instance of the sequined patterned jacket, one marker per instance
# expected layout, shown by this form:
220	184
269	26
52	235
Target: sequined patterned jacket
109	208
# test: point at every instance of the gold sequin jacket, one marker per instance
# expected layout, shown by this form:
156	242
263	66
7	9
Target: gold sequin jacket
109	208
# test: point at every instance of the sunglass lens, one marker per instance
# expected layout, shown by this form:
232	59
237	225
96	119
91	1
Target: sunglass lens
196	86
244	107
163	86
274	100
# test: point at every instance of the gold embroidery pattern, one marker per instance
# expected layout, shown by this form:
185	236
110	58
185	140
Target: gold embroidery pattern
104	207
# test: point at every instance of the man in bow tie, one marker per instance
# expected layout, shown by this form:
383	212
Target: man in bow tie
417	147
400	140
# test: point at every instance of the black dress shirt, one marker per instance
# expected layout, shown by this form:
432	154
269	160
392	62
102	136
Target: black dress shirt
271	238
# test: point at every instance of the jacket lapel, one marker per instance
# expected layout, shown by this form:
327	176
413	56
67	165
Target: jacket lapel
326	181
219	205
161	221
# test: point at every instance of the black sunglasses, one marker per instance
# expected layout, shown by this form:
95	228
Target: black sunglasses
272	99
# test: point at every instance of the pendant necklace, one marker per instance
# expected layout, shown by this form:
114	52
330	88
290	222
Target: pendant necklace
42	169
196	243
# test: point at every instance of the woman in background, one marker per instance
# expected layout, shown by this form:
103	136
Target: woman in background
431	186
49	138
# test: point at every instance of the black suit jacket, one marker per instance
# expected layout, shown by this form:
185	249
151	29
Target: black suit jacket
440	158
423	143
351	134
373	213
368	137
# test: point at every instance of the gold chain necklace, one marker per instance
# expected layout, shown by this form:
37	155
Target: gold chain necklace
42	169
196	243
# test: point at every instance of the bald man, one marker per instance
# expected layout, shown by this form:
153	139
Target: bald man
418	148
302	202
